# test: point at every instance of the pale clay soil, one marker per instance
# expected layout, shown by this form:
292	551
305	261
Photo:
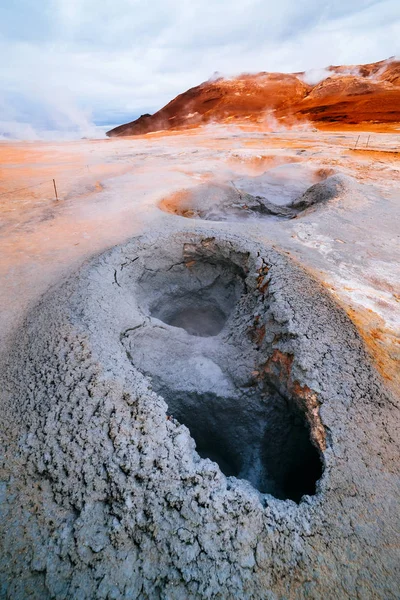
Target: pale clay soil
199	367
109	190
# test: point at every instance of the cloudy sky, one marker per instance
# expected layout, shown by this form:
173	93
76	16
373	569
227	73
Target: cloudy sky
67	63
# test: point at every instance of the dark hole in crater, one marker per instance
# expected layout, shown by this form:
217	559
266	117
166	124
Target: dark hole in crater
203	321
263	439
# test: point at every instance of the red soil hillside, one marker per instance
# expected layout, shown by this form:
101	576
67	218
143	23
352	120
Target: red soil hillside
339	94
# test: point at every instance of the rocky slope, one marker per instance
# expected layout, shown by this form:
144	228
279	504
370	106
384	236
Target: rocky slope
343	94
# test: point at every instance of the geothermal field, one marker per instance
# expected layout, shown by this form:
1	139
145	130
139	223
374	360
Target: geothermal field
200	344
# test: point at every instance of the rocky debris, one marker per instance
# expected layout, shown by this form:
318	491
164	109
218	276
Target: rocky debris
263	206
105	392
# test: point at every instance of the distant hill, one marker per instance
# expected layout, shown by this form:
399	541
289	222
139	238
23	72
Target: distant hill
338	94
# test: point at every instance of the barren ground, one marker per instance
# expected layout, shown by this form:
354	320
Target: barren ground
192	413
110	190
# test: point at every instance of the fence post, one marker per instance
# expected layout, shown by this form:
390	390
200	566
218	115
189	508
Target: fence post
55	188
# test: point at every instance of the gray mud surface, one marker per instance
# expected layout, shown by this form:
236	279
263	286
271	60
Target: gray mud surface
241	200
192	416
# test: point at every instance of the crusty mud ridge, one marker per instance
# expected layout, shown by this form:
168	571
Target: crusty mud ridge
216	202
192	416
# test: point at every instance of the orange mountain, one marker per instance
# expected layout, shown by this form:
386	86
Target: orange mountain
348	95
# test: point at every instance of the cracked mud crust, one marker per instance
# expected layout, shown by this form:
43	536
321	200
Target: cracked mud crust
103	493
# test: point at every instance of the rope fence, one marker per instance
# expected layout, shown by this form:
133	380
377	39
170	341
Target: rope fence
46	181
28	187
361	144
52	181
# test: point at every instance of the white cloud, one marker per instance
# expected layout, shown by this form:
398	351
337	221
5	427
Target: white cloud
124	57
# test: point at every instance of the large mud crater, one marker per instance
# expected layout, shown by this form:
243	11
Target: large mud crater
218	387
191	415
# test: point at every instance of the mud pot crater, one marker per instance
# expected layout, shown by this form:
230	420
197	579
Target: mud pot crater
199	301
274	194
192	415
218	387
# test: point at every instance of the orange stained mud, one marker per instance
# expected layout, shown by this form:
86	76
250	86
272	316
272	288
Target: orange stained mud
110	190
382	343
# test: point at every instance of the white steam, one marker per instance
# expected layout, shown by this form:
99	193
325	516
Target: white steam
46	113
314	76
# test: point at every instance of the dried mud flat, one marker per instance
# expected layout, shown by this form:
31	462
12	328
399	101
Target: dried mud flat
194	414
